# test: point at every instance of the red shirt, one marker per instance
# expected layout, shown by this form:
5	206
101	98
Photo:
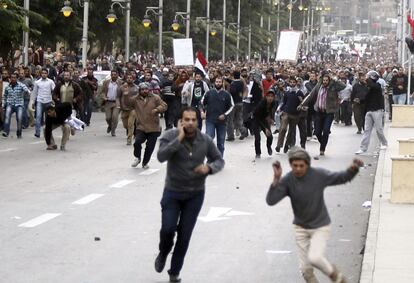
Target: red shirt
266	85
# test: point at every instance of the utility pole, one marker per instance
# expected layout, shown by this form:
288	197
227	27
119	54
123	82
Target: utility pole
187	23
224	32
268	43
207	29
26	34
85	32
160	18
238	33
127	28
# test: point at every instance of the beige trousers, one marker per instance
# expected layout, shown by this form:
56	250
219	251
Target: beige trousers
111	115
128	120
311	245
65	134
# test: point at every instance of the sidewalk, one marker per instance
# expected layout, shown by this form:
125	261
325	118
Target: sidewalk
389	249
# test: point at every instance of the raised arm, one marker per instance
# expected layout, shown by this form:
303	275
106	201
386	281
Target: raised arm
342	177
278	189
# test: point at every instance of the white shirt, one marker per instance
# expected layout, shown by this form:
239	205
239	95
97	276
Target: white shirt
345	94
42	91
112	90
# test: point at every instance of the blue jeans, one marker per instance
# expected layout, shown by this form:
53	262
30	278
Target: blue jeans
87	111
25	118
399	98
40	110
323	122
220	129
179	215
10	109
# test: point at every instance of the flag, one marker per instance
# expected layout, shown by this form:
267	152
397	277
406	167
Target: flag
200	63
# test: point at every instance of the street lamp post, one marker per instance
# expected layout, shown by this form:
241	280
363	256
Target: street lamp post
26	34
208	29
238	32
187	24
67	11
224	32
111	17
268	44
158	11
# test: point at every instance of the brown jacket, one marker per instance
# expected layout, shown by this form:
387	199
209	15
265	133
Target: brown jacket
124	92
147	121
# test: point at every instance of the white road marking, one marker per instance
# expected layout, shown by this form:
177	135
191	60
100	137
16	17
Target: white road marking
88	199
344	240
39	220
148	172
8	149
238	213
122	183
221	213
278	252
37	142
215	213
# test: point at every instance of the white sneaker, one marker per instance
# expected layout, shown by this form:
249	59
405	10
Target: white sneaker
383	147
360	152
136	162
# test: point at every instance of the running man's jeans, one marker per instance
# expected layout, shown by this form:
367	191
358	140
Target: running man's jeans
311	244
220	129
179	215
10	109
373	119
40	110
323	122
151	140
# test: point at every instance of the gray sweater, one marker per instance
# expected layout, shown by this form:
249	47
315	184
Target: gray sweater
306	194
183	159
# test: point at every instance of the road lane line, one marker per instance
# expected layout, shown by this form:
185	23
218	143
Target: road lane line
121	184
37	142
39	220
88	199
8	149
278	252
148	172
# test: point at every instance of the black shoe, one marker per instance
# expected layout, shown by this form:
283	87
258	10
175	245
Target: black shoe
286	149
230	139
359	132
303	146
277	149
175	278
108	130
37	136
160	263
5	135
269	151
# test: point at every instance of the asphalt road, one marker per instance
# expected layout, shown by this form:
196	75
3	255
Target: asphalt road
84	215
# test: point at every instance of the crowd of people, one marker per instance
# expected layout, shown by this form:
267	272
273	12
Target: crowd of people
232	100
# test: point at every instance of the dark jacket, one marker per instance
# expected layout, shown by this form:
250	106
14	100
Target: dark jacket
217	103
374	100
89	86
359	91
63	112
77	93
182	160
263	114
332	100
291	101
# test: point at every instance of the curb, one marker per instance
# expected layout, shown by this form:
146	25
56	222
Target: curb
368	262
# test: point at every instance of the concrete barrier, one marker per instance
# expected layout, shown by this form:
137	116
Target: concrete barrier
402	116
406	146
402	179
